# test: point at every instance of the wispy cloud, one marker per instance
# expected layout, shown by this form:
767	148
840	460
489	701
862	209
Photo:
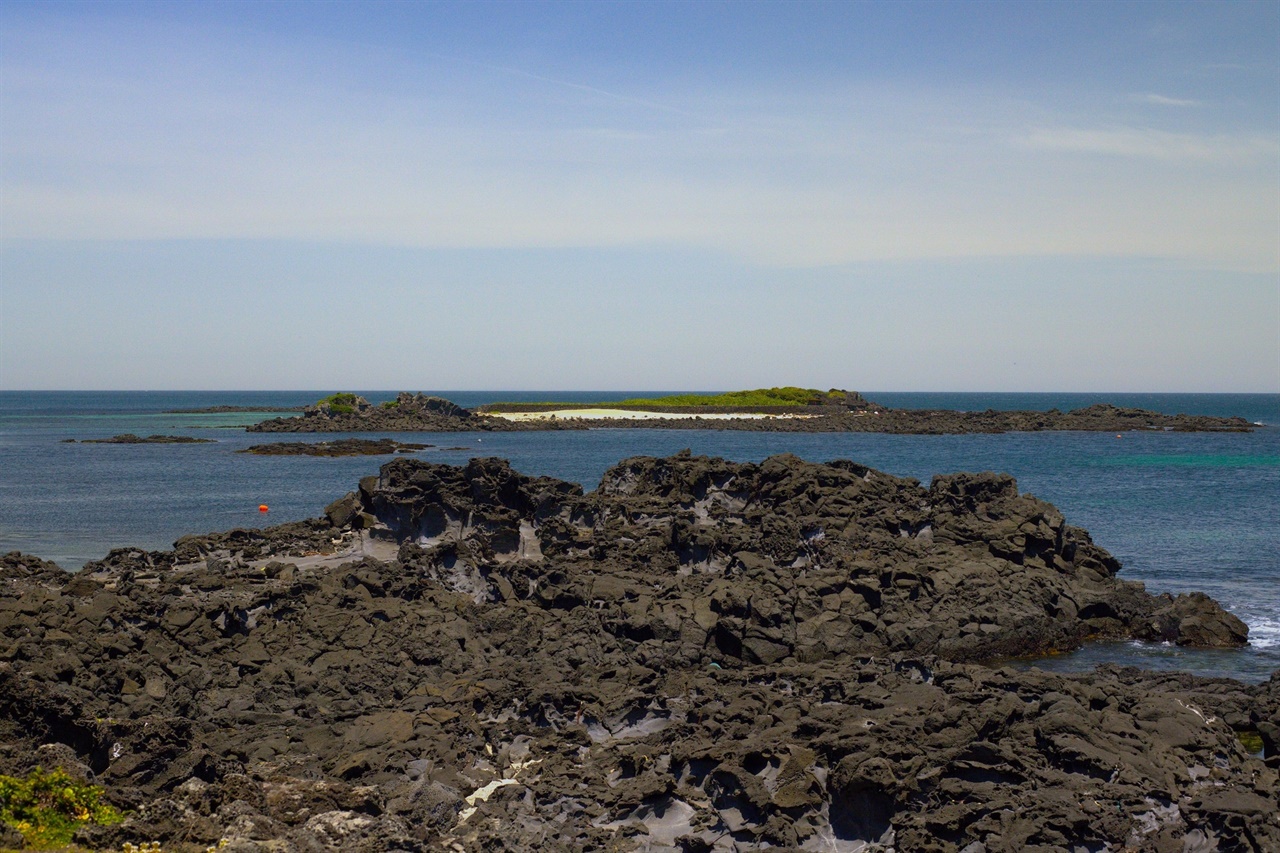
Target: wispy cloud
1164	101
1150	144
443	152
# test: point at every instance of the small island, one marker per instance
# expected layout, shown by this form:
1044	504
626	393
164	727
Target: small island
342	447
786	409
130	438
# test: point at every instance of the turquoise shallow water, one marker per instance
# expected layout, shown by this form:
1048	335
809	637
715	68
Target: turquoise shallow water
1182	511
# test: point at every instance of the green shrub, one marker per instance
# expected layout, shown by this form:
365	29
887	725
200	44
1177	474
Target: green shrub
48	807
340	404
761	397
343	402
390	404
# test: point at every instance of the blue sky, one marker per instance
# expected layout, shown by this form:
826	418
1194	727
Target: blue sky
898	196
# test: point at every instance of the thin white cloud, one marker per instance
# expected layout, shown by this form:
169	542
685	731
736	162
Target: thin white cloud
453	154
1150	144
1164	101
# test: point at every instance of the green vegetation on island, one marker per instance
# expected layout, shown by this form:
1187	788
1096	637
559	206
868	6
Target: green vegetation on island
47	807
788	397
762	397
339	404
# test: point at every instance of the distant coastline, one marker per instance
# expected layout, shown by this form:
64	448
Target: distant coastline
772	410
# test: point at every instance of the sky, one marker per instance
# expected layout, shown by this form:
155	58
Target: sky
912	196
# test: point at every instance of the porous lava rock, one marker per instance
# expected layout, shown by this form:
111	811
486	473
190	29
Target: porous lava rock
698	655
784	559
406	413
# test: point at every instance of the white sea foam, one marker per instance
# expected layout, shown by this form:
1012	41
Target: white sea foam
1264	631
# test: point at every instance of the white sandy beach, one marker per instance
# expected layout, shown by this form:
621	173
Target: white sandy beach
629	415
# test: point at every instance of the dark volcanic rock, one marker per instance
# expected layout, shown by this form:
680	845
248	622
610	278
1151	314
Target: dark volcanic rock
130	438
700	655
407	413
342	447
1098	418
790	558
15	564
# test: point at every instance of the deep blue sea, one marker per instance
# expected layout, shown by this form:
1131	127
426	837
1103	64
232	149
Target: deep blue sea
1182	511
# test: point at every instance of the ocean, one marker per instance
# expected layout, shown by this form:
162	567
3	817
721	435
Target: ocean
1182	511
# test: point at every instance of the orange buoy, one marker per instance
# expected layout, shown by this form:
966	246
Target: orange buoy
262	507
1118	435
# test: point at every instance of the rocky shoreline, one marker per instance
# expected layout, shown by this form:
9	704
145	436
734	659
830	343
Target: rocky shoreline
1097	418
699	655
419	413
407	413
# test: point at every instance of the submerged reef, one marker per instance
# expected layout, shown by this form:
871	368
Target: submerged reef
130	438
341	447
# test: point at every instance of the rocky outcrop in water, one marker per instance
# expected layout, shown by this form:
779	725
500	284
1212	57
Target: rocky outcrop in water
341	447
790	558
130	438
699	655
406	413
